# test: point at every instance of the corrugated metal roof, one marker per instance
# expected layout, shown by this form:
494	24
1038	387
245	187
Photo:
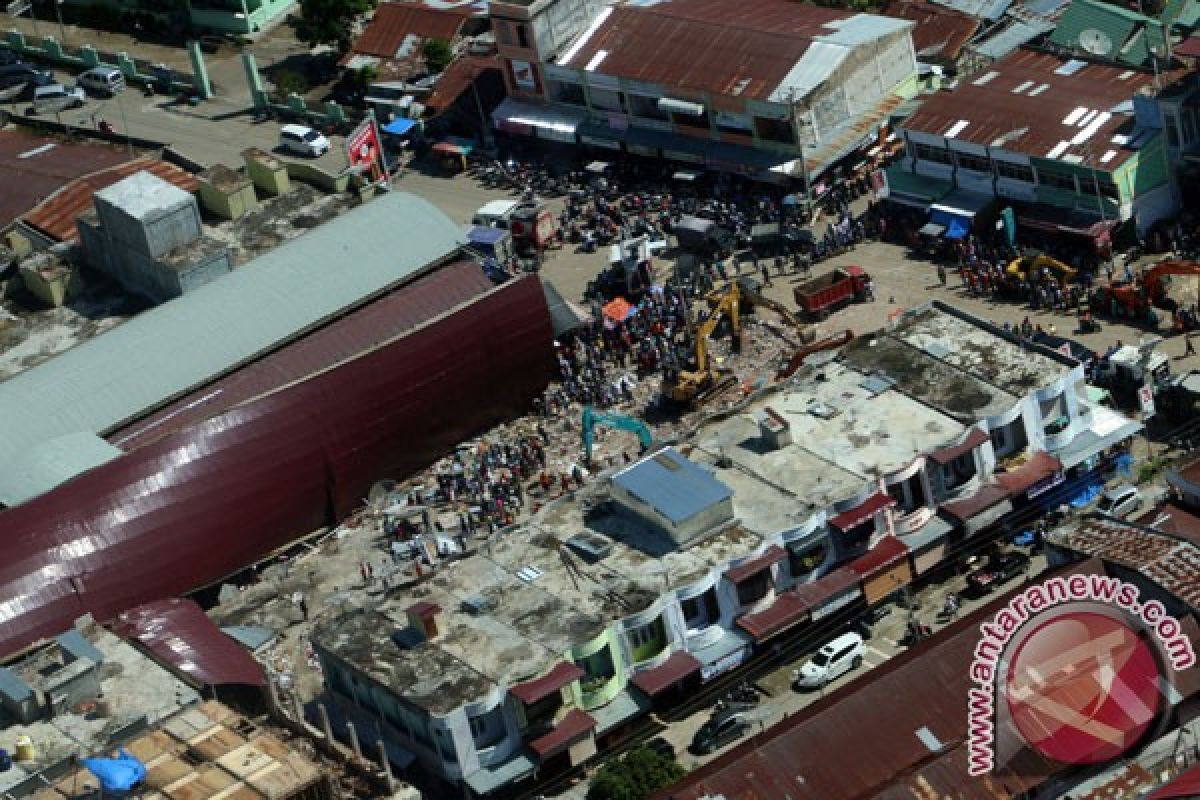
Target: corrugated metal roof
118	376
1130	36
179	633
1034	120
814	67
923	688
672	485
381	321
393	22
940	32
984	9
49	463
1000	44
56	216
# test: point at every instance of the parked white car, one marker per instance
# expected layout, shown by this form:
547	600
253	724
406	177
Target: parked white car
106	81
832	661
303	140
1120	501
56	97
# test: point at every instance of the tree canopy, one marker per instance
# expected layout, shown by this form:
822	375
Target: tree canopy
437	54
634	776
328	21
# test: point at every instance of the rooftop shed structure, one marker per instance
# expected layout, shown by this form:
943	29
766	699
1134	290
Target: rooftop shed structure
673	494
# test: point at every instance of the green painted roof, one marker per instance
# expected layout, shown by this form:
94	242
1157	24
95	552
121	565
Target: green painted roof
1183	14
1131	34
910	183
183	343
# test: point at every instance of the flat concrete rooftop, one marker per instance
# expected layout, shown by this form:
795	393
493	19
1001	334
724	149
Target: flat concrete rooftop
991	357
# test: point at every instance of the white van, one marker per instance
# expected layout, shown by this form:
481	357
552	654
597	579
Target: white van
496	214
830	662
106	81
303	140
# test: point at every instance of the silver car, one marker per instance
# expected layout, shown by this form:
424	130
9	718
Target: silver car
1120	501
56	97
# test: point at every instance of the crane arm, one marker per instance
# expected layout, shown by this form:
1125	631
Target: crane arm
622	422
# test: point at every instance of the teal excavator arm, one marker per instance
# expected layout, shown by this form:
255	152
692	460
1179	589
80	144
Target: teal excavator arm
611	420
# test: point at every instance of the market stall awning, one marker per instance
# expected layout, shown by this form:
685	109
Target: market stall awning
618	309
570	729
665	140
448	148
772	555
400	126
678	666
947	454
564	672
723	153
1039	467
932	229
863	512
887	552
549	122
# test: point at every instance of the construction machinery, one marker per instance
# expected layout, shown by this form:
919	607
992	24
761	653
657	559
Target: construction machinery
1129	368
690	386
1037	264
1137	300
610	419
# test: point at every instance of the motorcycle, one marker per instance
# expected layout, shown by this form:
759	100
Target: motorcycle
915	633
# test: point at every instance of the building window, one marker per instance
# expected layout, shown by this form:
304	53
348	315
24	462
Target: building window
569	93
1016	172
607	100
649	634
960	470
974	163
689	121
598	669
487	729
1056	180
803	560
774	130
642	106
927	152
754	588
1172	130
504	32
522	36
700	611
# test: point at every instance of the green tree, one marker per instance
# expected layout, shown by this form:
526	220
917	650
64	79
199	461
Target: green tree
437	54
328	21
635	776
288	81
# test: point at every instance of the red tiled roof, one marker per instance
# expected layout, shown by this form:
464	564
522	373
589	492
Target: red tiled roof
531	691
947	454
570	728
56	216
745	55
771	555
1040	466
862	512
992	494
994	109
940	33
888	551
393	22
680	665
793	606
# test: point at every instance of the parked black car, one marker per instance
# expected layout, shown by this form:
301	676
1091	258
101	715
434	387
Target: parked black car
1000	568
720	730
16	74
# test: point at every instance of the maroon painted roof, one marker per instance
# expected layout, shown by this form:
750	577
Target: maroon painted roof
56	216
1188	48
1175	519
862	512
1041	466
828	586
867	735
940	32
887	552
201	503
787	610
772	555
678	666
988	496
423	609
994	109
947	454
564	672
746	55
458	78
393	22
29	181
570	729
391	315
180	634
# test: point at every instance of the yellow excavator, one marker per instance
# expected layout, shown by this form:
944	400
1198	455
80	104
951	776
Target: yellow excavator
750	297
1035	263
690	386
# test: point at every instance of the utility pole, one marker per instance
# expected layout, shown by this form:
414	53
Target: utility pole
808	196
62	31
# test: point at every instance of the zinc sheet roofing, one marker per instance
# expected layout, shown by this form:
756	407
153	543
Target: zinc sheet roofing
1131	35
1006	41
190	340
395	22
696	44
940	32
990	111
672	485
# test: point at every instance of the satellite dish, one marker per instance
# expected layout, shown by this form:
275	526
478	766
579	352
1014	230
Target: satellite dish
1095	41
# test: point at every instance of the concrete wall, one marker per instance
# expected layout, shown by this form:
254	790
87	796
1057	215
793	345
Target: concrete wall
204	271
156	233
682	532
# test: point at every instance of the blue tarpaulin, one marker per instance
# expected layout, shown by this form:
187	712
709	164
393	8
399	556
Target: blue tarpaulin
399	126
957	226
1086	496
117	774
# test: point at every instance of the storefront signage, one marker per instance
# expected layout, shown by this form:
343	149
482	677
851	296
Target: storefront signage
523	75
841	601
737	121
597	142
724	664
1146	400
1045	485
